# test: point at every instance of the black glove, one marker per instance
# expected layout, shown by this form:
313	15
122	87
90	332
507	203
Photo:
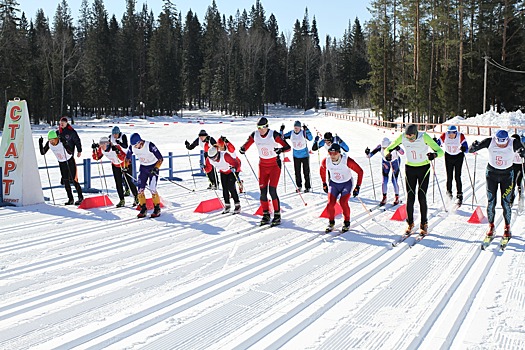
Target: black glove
223	138
475	145
114	148
432	155
463	148
154	171
435	139
118	142
355	193
124	169
282	127
325	187
305	127
521	152
242	150
388	157
367	151
397	148
41	141
187	144
94	146
316	138
278	150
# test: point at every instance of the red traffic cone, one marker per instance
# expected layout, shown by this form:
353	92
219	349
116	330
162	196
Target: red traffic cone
209	205
477	217
400	214
95	202
286	160
338	211
260	210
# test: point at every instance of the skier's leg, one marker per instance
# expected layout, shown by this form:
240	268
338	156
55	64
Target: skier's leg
297	170
411	183
275	174
385	168
449	166
423	179
306	171
225	187
492	188
395	175
117	175
506	188
457	173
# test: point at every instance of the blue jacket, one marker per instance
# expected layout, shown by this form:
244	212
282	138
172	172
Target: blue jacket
318	143
302	153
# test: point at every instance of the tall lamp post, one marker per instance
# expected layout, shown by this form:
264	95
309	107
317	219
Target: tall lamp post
143	105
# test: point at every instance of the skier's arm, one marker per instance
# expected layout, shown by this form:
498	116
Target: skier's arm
375	150
97	154
476	146
322	170
315	146
394	144
357	169
207	165
441	139
153	149
432	144
124	143
287	135
464	143
518	146
233	162
308	135
248	143
278	138
77	142
43	148
120	152
194	144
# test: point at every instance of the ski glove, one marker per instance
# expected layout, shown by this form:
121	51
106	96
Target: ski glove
242	150
474	146
355	193
94	145
224	139
282	127
316	138
432	155
154	171
278	150
41	141
388	157
325	187
521	152
435	139
114	148
463	149
397	148
367	152
305	127
187	144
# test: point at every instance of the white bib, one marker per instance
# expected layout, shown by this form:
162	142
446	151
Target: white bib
144	155
114	140
60	152
112	156
501	158
453	146
222	165
416	152
340	172
298	140
265	145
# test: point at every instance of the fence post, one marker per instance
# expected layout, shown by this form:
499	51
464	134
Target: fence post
170	169
134	166
86	163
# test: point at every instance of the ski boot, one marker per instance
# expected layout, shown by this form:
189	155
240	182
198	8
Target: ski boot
237	208
276	219
490	232
307	189
424	229
127	193
330	227
449	195
488	238
383	201
409	228
459	199
396	200
346	226
265	218
121	203
156	211
80	199
143	211
226	209
507	233
71	201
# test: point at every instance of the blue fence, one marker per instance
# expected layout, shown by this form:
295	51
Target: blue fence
88	163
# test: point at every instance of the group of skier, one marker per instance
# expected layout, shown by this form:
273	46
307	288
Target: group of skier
504	168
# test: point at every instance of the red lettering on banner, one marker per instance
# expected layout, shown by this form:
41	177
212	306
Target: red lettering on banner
8	183
13	113
11	151
13	128
9	166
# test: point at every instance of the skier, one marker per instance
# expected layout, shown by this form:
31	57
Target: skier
227	166
499	173
270	145
66	162
119	138
390	161
417	171
150	161
301	156
327	141
339	169
518	174
69	136
223	144
204	141
116	155
455	148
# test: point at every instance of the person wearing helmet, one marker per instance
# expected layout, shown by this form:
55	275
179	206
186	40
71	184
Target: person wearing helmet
119	138
390	161
417	171
228	168
150	161
270	145
517	166
337	170
204	141
499	173
66	162
301	157
116	155
69	136
327	141
455	145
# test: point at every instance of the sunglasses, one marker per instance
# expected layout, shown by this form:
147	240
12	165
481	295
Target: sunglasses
411	138
262	126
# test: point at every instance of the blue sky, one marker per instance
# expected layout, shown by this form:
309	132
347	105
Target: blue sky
332	16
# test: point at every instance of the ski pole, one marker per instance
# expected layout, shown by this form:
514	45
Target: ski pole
101	183
474	175
284	169
372	176
49	179
364	206
472	184
439	189
173	182
191	168
244	192
296	189
253	171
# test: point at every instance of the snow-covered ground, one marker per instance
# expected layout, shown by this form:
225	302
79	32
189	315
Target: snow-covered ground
101	278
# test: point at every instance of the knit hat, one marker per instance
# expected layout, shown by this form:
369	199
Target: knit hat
134	139
115	130
52	134
262	122
297	123
104	139
334	148
452	129
212	152
411	129
203	133
502	137
385	142
328	136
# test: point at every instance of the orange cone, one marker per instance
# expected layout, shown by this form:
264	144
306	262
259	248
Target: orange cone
338	211
209	205
477	217
260	210
95	202
400	214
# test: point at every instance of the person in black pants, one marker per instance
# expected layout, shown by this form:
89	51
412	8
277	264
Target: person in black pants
205	141
119	138
518	173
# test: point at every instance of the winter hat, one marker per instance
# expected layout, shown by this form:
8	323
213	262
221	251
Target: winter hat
335	148
516	136
411	129
297	123
103	139
452	129
502	137
385	142
134	139
262	122
328	136
203	133
64	119
52	134
212	152
115	130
